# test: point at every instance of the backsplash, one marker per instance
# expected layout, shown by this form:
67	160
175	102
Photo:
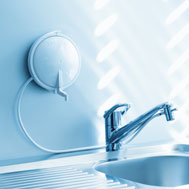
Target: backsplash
124	64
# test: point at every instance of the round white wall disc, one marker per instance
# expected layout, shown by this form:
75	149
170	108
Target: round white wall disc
53	61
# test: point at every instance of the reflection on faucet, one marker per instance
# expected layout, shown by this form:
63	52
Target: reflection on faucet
114	134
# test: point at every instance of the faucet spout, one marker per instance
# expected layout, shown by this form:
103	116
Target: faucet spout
116	135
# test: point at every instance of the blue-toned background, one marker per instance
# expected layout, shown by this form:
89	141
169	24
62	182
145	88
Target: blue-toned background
131	51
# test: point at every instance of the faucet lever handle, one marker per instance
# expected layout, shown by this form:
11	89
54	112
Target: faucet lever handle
113	117
109	112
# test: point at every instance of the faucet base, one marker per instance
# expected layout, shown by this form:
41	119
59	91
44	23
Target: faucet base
113	147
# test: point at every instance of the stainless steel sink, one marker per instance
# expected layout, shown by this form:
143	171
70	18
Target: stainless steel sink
134	167
162	170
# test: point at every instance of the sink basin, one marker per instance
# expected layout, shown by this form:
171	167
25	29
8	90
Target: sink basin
164	171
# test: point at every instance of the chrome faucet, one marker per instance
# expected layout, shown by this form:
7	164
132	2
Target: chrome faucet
115	134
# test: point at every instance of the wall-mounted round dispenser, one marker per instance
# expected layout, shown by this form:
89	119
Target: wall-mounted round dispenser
54	64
